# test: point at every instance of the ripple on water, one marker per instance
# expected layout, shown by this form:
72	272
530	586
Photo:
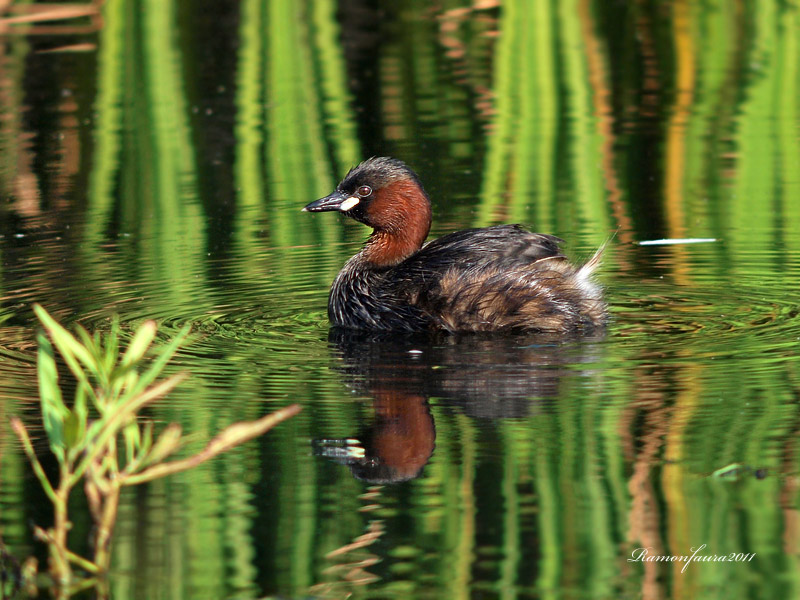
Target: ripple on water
271	301
713	312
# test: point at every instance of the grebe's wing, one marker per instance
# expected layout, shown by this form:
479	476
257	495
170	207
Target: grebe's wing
500	278
512	245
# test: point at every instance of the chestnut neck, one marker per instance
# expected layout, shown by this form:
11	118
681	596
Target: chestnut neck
400	214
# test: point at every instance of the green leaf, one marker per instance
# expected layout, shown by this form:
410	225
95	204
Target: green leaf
124	378
140	343
80	407
167	443
53	409
94	430
75	425
164	355
147	439
22	433
133	439
71	349
72	430
87	340
124	375
109	426
111	351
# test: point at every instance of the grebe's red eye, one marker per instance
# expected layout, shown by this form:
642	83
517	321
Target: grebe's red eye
364	191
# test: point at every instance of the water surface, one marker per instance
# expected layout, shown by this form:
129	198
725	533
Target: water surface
155	168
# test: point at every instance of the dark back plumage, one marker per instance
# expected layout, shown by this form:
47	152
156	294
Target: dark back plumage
502	277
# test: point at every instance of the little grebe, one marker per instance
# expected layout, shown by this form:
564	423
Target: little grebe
490	279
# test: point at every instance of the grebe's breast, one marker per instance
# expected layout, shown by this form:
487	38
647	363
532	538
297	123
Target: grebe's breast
364	297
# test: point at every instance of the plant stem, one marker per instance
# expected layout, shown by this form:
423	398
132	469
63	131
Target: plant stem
118	416
83	563
231	436
109	505
105	527
60	568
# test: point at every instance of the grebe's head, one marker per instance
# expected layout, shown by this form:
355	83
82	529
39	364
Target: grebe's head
383	193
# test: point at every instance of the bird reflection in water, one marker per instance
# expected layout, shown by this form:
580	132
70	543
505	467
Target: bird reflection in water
486	376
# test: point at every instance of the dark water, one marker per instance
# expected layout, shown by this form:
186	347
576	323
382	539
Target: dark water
153	164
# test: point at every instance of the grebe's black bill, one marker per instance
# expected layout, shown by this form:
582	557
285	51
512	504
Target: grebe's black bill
335	201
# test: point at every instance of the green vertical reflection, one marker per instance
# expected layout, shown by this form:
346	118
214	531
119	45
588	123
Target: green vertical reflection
514	443
179	224
711	111
13	472
586	189
297	166
447	500
144	172
538	121
753	205
542	92
145	175
464	521
788	146
335	99
600	541
297	496
295	128
498	155
550	515
108	122
740	513
248	170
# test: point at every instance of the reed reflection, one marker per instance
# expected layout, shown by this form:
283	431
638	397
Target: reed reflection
485	376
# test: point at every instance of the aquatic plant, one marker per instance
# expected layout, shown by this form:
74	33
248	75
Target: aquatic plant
117	449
